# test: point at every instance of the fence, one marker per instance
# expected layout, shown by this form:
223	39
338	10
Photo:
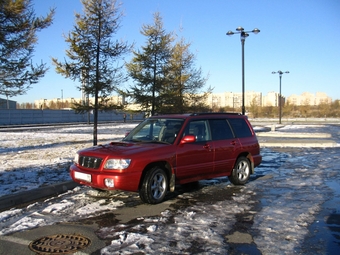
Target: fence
27	117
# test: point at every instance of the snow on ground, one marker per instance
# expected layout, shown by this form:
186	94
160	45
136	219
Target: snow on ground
34	158
281	200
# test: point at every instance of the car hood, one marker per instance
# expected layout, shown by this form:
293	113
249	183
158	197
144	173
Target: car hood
122	148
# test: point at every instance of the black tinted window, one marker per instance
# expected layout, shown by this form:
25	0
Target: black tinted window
240	127
220	129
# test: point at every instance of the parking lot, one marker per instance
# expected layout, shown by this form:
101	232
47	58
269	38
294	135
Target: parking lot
290	206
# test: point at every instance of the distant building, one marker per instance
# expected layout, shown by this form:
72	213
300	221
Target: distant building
234	100
62	103
7	104
214	100
307	98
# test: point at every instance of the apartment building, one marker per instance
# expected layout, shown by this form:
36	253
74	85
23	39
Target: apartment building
307	98
214	100
234	100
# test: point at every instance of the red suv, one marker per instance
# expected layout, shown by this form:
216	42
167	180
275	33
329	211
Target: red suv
166	150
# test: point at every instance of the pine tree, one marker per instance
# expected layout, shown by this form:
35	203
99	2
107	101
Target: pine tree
94	55
148	67
166	79
18	30
185	82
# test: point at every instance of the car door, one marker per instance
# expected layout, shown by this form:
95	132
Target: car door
246	135
195	160
225	144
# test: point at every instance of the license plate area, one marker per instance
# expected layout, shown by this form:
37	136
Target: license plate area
82	177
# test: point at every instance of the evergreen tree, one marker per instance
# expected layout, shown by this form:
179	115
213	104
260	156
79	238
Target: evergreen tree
185	83
94	55
165	76
18	30
148	67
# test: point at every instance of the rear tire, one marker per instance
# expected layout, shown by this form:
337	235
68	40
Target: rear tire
155	186
241	172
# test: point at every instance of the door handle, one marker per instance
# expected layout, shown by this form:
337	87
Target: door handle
207	146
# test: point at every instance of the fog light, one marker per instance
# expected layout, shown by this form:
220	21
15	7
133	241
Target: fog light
109	183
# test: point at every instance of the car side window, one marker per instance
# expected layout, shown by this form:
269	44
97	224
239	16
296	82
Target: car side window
220	129
200	129
170	131
240	127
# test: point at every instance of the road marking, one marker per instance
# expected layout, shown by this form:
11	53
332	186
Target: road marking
15	240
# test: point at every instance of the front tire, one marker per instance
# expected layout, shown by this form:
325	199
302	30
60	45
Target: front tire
241	172
155	186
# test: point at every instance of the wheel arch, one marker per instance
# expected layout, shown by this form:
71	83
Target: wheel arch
165	166
250	158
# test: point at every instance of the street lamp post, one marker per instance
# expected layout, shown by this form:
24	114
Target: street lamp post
243	35
58	103
280	100
44	104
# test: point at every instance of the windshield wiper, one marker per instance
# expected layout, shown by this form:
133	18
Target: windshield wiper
146	141
132	140
157	141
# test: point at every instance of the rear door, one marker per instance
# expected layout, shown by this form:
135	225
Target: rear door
195	160
225	144
247	138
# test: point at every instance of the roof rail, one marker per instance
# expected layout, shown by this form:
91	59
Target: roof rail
199	113
170	113
214	113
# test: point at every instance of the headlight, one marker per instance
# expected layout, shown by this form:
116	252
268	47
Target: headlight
76	158
117	163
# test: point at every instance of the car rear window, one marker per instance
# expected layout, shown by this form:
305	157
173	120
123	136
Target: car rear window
240	127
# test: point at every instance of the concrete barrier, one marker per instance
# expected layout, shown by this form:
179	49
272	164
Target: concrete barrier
37	116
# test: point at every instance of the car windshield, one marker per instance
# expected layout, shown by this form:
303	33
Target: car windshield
160	130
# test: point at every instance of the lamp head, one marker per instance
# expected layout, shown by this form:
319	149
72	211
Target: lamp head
256	31
244	35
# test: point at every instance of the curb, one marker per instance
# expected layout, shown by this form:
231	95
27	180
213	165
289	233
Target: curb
12	200
293	140
299	144
293	135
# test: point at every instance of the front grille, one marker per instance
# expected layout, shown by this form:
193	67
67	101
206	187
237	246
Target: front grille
90	162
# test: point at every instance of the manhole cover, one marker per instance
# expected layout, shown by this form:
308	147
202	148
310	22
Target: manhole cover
59	244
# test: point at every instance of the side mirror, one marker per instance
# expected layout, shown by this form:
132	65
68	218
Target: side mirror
188	139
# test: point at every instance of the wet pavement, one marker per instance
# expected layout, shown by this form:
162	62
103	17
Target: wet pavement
325	231
312	190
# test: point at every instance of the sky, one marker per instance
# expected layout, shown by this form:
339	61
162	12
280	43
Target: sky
297	36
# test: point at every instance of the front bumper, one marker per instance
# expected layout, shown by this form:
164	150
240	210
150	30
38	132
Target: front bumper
122	180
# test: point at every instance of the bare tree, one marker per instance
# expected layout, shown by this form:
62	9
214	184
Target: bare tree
94	55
